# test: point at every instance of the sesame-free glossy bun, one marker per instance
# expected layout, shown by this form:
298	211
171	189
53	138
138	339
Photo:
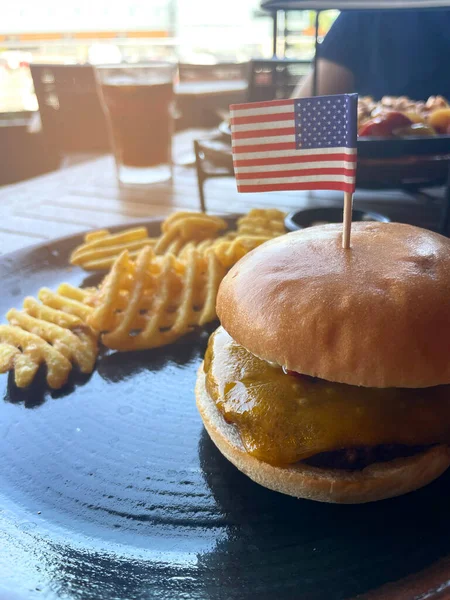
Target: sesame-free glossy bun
375	482
375	315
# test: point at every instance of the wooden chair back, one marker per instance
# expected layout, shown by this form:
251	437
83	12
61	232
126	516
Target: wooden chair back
70	108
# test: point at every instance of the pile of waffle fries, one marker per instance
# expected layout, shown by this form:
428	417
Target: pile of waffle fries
156	290
53	332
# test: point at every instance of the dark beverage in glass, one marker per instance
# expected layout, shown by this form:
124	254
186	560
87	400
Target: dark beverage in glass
137	101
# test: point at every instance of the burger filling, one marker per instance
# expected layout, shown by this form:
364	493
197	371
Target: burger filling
283	417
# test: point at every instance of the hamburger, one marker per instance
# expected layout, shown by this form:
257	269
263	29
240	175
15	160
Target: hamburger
329	375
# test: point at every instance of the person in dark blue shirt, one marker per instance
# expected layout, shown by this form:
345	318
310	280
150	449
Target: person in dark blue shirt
378	53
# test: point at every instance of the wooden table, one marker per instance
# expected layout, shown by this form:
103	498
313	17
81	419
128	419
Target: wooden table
86	196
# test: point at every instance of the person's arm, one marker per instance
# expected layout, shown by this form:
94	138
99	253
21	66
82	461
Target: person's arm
331	79
341	57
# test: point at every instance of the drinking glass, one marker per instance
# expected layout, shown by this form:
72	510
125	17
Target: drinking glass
138	104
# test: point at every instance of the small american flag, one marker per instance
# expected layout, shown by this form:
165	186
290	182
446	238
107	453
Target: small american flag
296	144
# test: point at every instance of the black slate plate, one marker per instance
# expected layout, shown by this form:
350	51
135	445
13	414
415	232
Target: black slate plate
110	489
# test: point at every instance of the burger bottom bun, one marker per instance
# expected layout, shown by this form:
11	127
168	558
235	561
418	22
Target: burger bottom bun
375	482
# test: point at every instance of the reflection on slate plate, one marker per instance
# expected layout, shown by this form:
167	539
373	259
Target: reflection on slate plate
110	488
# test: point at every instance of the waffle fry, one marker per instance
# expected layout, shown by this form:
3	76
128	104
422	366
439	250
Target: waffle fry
101	248
260	222
229	252
184	220
53	332
185	228
155	300
255	228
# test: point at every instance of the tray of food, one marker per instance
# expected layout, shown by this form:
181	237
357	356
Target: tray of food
400	142
396	118
397	126
114	484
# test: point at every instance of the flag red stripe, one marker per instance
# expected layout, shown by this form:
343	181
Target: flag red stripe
294	173
262	118
288	160
278	187
264	147
242	135
264	104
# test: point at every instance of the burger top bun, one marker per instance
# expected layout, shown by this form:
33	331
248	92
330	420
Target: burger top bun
374	315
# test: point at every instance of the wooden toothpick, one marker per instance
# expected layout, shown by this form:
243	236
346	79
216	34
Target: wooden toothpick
347	229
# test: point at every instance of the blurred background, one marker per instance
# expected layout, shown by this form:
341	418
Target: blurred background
194	31
53	117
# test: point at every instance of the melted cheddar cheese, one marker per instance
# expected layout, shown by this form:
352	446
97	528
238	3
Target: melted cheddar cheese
285	418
